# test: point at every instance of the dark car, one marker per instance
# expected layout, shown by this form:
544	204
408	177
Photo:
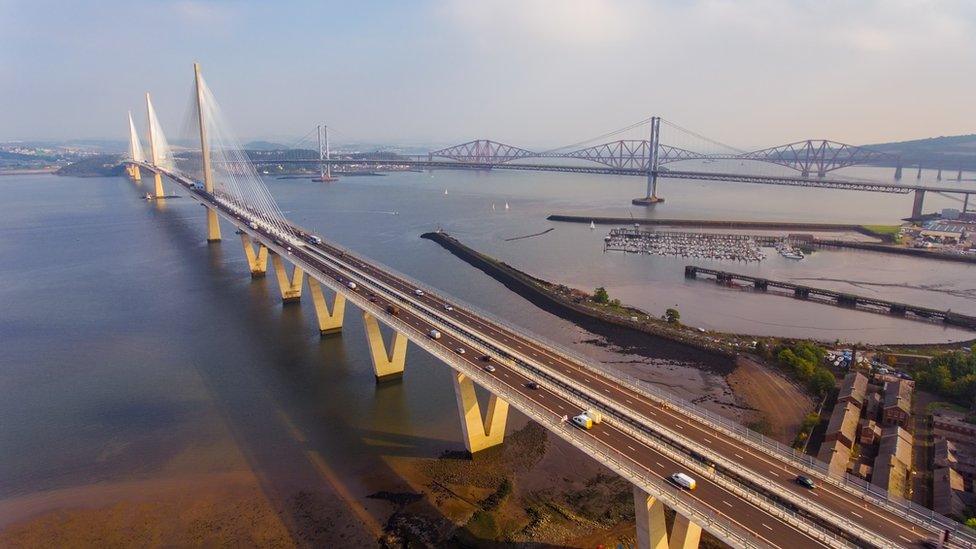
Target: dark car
392	309
485	358
532	385
806	482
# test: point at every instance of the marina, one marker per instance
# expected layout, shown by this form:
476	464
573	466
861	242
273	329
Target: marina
719	246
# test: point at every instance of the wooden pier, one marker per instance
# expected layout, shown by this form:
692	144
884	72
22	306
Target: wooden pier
834	297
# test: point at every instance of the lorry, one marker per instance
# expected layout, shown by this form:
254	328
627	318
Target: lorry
684	481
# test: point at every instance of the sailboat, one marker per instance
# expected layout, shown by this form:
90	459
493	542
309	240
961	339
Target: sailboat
445	192
592	225
492	206
506	205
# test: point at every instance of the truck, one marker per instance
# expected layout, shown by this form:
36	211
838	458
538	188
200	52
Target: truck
684	481
583	421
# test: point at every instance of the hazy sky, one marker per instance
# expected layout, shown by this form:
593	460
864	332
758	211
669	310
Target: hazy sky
528	72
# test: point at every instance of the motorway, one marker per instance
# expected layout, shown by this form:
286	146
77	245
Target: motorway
636	423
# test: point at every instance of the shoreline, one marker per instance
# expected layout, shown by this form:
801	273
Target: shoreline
630	333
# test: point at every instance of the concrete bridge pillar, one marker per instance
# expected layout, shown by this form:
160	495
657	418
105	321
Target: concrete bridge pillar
135	173
330	322
386	364
291	288
479	433
919	201
256	262
213	226
652	531
158	191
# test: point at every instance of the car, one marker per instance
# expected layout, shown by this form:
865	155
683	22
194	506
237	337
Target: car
418	291
489	368
805	482
683	481
532	385
459	350
485	358
583	421
372	299
351	284
393	309
434	334
447	307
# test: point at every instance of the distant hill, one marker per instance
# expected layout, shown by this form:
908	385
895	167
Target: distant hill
265	146
94	166
947	152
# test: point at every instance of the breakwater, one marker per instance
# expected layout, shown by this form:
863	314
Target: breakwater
627	327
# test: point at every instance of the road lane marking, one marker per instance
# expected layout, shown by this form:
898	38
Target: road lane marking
904	538
774	474
856	515
738	456
632	448
727	503
767	527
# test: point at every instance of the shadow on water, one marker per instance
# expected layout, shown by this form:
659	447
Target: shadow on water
266	379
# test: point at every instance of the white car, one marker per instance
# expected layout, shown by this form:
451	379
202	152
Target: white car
447	307
434	334
460	350
351	284
489	368
418	291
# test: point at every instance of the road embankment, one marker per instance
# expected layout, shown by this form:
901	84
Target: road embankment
716	224
633	330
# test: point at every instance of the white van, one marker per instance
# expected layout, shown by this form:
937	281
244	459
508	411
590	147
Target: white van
351	284
684	481
434	334
418	291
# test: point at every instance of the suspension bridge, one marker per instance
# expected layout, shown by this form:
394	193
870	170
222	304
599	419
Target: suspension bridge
745	494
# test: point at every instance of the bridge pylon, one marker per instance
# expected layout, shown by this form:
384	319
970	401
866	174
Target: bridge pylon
653	161
213	224
387	364
158	191
135	151
330	322
652	530
479	433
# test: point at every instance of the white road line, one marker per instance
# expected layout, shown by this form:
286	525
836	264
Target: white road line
706	440
738	456
904	538
727	503
774	474
767	527
856	515
659	464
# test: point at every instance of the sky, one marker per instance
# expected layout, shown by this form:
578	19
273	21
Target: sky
534	73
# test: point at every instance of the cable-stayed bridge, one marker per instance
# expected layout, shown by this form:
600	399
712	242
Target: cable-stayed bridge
745	493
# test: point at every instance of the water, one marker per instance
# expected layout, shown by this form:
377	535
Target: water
132	350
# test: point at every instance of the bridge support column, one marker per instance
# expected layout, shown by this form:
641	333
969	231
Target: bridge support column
256	262
685	534
136	173
652	532
479	433
291	288
386	364
653	145
329	322
919	200
158	191
213	226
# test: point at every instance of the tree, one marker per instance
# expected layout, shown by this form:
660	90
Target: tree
672	315
822	381
601	295
971	522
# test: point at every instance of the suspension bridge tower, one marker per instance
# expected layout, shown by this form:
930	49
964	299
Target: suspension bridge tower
213	225
325	167
154	148
653	146
135	151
